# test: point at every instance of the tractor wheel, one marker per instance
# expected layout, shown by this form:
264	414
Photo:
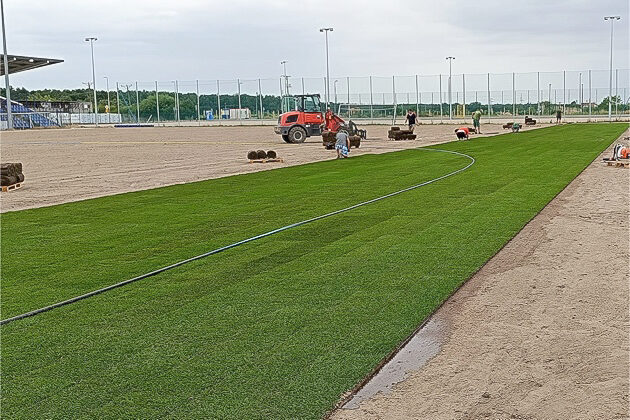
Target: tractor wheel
297	135
285	137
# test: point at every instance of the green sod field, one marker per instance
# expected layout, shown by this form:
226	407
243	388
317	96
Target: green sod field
277	328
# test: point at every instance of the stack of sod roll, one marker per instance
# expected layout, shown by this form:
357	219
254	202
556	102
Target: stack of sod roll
11	173
395	133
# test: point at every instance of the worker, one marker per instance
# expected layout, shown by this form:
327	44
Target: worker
516	127
558	116
462	133
477	121
621	153
411	119
342	145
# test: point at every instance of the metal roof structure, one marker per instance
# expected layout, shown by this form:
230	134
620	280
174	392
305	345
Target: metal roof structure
18	63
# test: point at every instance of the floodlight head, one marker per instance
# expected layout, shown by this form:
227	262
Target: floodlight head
612	17
91	38
326	29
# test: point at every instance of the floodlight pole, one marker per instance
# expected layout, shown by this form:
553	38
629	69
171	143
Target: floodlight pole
549	98
612	20
325	31
6	71
91	41
109	109
450	92
335	90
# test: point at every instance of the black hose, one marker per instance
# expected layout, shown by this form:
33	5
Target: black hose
235	244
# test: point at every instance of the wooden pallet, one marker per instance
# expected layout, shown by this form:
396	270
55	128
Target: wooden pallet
7	188
623	163
266	160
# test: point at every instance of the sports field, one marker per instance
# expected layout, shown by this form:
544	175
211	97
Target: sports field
277	328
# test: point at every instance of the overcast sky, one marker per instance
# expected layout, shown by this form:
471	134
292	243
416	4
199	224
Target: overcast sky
226	39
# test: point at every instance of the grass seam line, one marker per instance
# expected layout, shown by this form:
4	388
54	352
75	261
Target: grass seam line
241	242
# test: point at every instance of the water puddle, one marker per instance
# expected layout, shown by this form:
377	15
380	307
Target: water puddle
413	356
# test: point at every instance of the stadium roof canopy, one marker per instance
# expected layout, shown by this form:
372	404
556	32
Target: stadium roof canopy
18	63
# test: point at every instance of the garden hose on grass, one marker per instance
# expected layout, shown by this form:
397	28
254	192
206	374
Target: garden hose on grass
244	241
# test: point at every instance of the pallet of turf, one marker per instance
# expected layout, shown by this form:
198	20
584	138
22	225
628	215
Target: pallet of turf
395	133
11	176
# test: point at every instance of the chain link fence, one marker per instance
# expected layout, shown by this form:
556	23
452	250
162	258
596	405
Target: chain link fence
574	93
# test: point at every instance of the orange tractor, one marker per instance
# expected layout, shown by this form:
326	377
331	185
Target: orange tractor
307	120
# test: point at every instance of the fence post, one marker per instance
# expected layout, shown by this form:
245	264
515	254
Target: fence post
157	102
617	93
441	114
590	97
371	101
118	103
260	98
348	88
238	82
303	91
177	101
538	92
463	95
564	91
394	93
417	98
198	107
489	101
513	94
281	98
219	102
137	104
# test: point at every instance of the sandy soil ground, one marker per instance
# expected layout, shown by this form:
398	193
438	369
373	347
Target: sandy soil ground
75	164
542	331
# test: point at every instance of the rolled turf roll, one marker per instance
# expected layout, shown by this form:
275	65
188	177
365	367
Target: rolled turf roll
271	154
395	128
252	154
10	169
7	180
20	178
261	154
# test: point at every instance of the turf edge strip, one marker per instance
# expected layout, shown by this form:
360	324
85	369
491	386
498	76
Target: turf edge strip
244	241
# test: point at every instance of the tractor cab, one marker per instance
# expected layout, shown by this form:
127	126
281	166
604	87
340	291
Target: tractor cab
304	121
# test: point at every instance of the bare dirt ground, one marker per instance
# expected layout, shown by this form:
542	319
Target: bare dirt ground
543	330
75	164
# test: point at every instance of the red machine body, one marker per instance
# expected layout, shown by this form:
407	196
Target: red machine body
307	120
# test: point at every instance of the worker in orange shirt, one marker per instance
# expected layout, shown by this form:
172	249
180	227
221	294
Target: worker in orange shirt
462	133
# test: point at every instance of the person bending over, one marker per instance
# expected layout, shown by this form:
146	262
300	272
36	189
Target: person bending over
462	133
342	145
477	121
